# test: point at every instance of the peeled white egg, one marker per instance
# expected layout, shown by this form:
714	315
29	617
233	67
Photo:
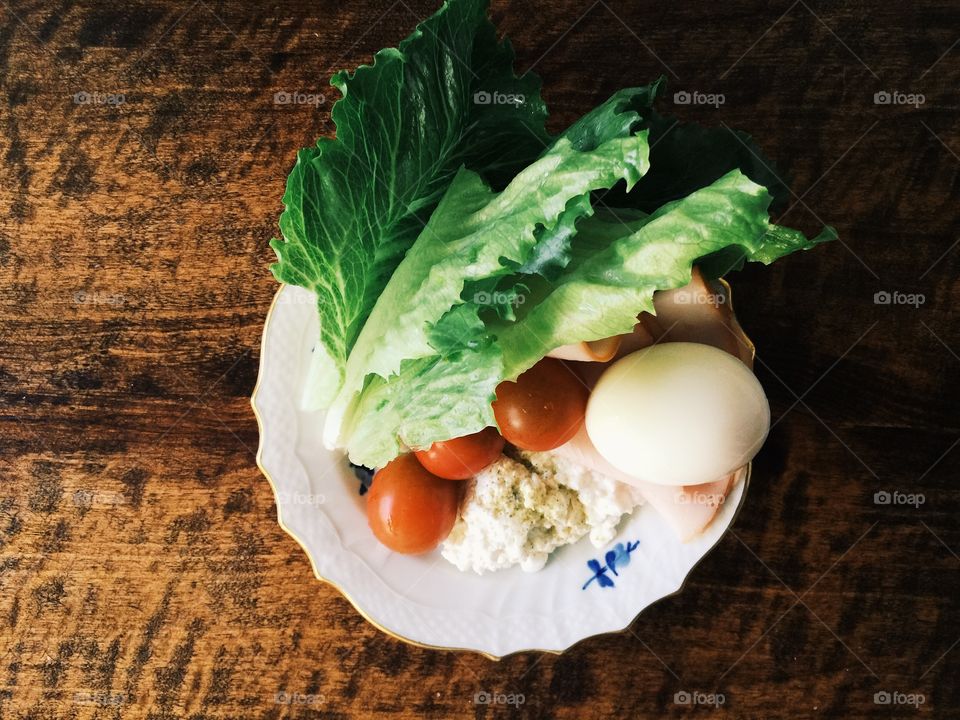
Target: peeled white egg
678	414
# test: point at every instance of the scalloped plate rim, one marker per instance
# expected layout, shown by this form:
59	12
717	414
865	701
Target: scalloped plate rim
339	583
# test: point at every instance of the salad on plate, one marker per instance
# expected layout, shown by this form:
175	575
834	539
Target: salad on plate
525	335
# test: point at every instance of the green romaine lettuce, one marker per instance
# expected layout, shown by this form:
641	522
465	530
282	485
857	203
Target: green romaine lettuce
598	295
476	234
452	243
405	126
601	295
685	157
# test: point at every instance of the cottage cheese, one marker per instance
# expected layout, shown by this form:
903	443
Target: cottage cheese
521	508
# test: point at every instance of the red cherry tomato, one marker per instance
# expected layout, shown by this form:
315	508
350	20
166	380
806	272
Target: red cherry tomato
409	509
543	409
462	457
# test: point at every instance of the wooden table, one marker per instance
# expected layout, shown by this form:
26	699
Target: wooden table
142	571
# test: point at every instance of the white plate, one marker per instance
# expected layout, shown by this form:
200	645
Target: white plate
424	599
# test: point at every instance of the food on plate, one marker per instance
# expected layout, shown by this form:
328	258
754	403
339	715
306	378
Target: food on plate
521	508
698	312
409	509
364	475
678	413
594	350
687	510
462	458
543	408
482	283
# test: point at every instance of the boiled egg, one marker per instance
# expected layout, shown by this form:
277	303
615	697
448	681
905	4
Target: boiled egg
678	414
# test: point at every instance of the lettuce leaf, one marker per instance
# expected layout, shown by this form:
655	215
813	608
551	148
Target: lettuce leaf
405	125
451	242
685	157
599	294
476	234
602	295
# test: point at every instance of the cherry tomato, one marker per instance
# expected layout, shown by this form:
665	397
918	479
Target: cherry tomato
543	409
409	509
462	457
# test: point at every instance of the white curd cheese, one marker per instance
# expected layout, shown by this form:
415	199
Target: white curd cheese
517	511
604	499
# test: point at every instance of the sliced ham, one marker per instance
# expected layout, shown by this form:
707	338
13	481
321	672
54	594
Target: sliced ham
640	338
700	312
649	324
593	351
688	510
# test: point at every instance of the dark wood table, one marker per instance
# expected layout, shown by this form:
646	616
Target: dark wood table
142	571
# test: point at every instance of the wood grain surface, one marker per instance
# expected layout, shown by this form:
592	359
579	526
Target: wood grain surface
142	571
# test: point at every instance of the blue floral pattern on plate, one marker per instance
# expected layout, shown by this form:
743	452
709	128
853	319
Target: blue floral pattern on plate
615	559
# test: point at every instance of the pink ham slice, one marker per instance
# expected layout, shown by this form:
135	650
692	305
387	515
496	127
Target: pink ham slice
590	370
699	312
592	351
640	338
688	510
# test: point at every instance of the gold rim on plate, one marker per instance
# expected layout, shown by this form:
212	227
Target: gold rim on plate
736	330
